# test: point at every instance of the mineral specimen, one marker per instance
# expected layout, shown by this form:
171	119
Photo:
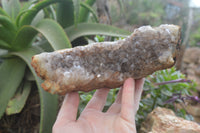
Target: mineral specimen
108	64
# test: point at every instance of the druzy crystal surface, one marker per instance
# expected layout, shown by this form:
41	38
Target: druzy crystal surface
108	64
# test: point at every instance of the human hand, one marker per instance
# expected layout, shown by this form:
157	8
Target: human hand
119	118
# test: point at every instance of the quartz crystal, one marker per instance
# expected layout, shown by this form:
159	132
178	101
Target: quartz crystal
109	64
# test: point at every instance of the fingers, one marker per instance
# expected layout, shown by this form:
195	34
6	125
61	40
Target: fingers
116	106
138	92
127	107
69	108
98	100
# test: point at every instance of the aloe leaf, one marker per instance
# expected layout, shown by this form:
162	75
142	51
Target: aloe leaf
54	33
48	102
53	12
17	21
76	4
24	37
4	45
27	17
51	30
16	104
84	12
6	35
65	13
27	5
12	7
7	23
25	8
11	75
83	4
3	53
44	44
2	12
85	29
40	15
29	76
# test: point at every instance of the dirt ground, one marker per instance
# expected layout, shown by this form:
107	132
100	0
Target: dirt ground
25	122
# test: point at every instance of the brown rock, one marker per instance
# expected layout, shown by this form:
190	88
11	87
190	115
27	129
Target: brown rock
162	120
191	55
197	119
197	70
194	110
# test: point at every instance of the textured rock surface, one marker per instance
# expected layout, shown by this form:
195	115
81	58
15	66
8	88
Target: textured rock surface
108	64
162	120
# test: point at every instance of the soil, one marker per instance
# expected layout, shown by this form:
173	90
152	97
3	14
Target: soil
25	122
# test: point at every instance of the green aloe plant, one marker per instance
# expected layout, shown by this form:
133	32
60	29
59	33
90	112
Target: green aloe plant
19	41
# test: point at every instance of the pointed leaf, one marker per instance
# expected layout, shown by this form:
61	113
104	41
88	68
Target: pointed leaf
84	12
7	23
54	34
90	9
4	45
6	35
12	7
95	29
40	15
48	102
16	104
24	37
27	17
25	8
53	12
2	12
11	75
76	4
50	29
65	13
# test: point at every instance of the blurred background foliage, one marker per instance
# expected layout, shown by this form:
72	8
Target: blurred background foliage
24	31
130	14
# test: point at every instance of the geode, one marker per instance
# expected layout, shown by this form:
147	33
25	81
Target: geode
109	64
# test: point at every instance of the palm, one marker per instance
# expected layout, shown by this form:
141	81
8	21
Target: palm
119	118
100	122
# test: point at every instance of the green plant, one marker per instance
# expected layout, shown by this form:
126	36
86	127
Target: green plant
19	41
161	87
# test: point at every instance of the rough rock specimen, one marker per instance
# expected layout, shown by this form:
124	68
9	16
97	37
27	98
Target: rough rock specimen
162	120
108	64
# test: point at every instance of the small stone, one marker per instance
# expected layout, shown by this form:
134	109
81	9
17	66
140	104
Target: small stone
191	55
162	120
